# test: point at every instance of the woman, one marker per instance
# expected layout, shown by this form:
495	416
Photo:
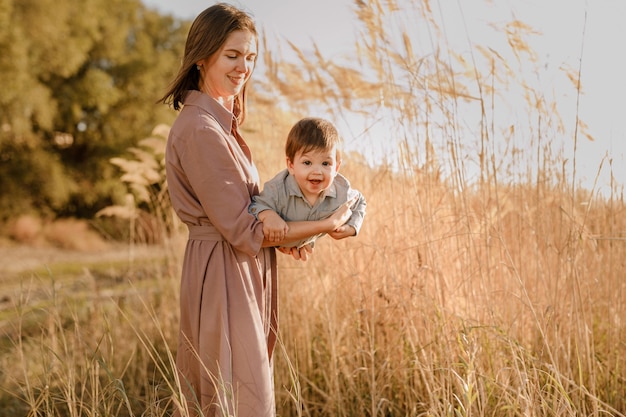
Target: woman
228	298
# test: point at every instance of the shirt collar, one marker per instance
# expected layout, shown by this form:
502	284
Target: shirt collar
294	189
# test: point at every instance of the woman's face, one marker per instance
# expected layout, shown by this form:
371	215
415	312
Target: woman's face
224	74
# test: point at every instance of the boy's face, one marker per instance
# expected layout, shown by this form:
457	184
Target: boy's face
314	171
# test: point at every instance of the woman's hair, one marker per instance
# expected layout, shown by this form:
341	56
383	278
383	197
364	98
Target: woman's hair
312	133
207	35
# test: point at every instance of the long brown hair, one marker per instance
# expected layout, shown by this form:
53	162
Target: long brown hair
207	35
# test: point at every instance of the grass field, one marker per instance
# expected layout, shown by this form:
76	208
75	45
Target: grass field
504	301
485	280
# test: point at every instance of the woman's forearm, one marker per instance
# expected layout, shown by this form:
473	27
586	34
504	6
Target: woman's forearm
302	230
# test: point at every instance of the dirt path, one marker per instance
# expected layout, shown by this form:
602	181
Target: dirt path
16	259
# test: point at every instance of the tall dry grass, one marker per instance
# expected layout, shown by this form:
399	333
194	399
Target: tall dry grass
485	281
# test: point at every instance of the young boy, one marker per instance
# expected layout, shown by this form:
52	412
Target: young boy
311	187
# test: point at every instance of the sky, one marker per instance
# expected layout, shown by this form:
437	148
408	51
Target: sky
588	33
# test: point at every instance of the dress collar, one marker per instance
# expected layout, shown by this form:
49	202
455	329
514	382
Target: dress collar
223	116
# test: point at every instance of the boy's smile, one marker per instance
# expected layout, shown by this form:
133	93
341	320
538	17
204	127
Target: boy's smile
314	171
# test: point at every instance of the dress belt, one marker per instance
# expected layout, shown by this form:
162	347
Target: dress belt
204	233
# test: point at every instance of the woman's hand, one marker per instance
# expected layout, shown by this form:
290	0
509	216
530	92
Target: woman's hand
274	227
301	254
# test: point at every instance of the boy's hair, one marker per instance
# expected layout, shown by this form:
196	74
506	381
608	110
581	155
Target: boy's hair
312	133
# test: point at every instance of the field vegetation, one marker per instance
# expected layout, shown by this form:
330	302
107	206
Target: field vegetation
485	281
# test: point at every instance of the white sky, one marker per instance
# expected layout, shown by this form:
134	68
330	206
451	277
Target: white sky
331	25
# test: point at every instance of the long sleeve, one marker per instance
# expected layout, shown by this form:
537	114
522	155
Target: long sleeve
214	179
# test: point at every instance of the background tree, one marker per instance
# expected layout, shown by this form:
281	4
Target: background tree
80	85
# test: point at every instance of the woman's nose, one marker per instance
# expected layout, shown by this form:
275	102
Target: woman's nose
244	65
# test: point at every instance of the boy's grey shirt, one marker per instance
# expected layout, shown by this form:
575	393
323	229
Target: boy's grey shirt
282	195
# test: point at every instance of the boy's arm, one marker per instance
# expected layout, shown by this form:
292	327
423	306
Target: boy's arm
358	212
353	225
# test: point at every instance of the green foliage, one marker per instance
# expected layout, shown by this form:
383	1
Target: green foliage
42	184
80	86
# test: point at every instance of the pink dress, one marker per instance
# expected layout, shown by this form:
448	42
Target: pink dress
228	295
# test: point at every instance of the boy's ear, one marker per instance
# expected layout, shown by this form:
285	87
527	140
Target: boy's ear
338	165
289	165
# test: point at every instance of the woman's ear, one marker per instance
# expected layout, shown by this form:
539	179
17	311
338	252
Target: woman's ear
201	63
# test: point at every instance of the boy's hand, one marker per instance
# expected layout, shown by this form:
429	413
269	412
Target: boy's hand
274	227
342	232
341	215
